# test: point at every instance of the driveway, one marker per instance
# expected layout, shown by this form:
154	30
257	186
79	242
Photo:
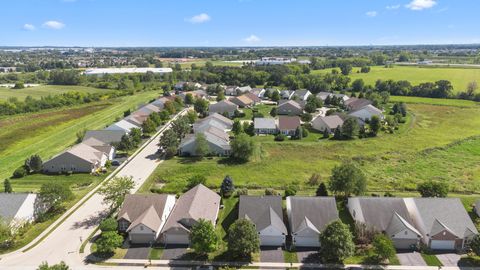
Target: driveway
411	259
307	255
137	252
174	252
271	254
449	259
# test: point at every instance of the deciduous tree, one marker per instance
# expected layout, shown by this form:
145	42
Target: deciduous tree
114	191
203	237
347	179
337	242
243	239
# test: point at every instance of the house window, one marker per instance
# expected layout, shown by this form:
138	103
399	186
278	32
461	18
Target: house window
406	232
141	228
123	226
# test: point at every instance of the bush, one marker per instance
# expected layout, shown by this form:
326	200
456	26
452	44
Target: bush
433	189
270	191
196	180
20	172
383	247
242	191
291	190
280	137
108	225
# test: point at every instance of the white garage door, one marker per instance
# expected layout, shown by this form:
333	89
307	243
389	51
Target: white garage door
141	238
306	241
268	240
442	245
177	239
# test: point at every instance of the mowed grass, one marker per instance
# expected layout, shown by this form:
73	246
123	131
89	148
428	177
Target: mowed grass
459	77
49	133
45	90
282	163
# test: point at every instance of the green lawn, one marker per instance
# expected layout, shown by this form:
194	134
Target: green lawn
431	259
261	108
49	133
459	77
45	90
155	253
432	135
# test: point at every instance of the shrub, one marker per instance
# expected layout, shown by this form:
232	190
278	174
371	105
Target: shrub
291	190
433	189
227	187
196	180
383	247
108	225
270	191
280	137
242	191
20	172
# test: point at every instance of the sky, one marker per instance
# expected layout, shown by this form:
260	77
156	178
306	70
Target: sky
213	23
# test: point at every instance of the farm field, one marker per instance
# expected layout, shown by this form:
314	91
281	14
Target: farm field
49	133
432	142
459	77
44	90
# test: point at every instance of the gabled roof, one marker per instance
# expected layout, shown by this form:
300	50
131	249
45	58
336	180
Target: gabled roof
86	153
143	209
265	123
149	109
263	211
290	103
122	125
254	97
301	93
311	212
198	203
242	100
106	136
210	122
354	104
214	131
437	213
220	118
398	224
332	121
370	108
223	105
288	122
10	204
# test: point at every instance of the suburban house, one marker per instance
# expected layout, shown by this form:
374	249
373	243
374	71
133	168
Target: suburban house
443	222
197	94
217	144
231	90
243	89
367	112
287	125
386	215
265	126
343	97
143	216
216	120
18	209
223	107
286	94
180	85
301	94
195	204
308	217
259	92
256	99
267	215
242	101
330	123
108	149
149	109
122	125
137	118
81	158
290	107
354	104
105	136
323	95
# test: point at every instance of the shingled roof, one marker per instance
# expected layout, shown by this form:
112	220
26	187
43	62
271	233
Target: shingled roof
263	211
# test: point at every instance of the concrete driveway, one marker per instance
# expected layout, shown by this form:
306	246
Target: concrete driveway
411	259
271	254
137	252
174	252
449	259
308	255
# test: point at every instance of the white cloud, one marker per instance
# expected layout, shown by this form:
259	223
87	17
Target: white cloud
421	4
371	13
252	39
392	7
28	27
200	18
56	25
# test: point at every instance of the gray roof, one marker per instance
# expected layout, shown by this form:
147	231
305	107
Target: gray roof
378	212
265	123
313	212
291	103
301	93
10	204
370	108
357	103
143	209
198	203
223	106
263	211
106	136
438	214
332	121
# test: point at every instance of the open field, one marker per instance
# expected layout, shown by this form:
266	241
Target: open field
45	90
459	77
391	161
49	133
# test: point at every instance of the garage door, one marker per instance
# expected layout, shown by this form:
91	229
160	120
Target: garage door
268	240
405	244
306	241
141	238
442	245
177	239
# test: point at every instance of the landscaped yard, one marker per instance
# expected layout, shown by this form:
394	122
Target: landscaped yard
45	90
432	135
49	133
459	77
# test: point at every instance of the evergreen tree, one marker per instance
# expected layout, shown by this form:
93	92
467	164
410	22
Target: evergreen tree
7	186
322	190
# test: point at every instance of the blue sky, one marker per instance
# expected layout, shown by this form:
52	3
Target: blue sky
237	22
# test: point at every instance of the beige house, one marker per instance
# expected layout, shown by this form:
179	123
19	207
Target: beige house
81	158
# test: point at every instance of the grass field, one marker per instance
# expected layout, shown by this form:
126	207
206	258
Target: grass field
459	77
423	148
49	133
45	90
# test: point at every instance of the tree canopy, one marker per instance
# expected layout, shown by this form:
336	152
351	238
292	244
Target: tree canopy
347	179
336	242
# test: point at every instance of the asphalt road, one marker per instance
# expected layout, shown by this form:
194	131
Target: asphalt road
64	242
